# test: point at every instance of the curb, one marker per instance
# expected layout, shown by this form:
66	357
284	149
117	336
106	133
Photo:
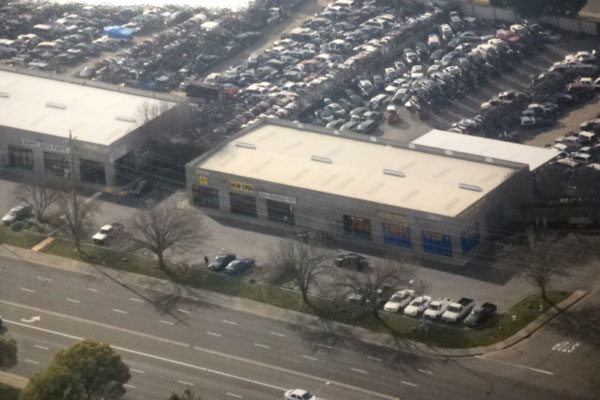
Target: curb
13	381
277	313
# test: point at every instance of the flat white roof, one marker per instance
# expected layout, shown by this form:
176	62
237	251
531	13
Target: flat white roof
351	168
497	149
54	108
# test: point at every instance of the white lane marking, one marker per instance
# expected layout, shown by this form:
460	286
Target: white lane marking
264	346
424	371
237	396
38	346
566	346
31	361
73	300
32	319
137	371
186	345
325	346
374	358
27	290
43	278
186	383
230	322
136	299
408	383
128	386
541	371
310	358
362	371
181	310
162	321
277	334
91	289
213	334
119	311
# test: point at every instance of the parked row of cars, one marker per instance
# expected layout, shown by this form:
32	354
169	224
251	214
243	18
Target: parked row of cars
230	265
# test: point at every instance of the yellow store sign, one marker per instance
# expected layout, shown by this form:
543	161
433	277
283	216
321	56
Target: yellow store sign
242	187
203	180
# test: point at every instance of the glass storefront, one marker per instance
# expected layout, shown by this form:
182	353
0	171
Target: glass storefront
469	238
204	196
397	234
20	157
281	212
242	204
92	171
437	243
357	226
57	164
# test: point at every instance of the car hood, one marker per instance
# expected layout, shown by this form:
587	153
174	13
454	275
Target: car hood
391	306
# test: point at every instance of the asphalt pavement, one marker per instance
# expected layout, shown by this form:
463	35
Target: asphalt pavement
225	353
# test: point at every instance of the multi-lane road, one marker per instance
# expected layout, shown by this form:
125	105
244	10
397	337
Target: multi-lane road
171	344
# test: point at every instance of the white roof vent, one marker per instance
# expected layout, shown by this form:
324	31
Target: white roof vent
392	172
58	106
474	188
4	95
245	145
125	119
320	159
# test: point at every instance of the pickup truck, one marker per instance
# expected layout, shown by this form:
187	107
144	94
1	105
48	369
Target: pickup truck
459	310
480	314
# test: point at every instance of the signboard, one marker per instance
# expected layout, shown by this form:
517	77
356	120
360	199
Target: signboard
391	216
397	234
242	187
117	153
277	197
437	243
470	238
203	180
46	146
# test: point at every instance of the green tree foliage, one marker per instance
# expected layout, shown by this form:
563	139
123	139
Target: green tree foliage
88	370
8	352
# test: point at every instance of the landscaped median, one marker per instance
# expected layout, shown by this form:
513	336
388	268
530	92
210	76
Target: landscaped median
430	333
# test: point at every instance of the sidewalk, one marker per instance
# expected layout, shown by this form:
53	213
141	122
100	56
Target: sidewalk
276	313
12	380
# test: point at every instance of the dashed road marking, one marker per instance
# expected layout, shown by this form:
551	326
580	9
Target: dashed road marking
137	371
362	371
186	383
230	322
73	300
423	371
31	361
119	311
136	299
237	396
310	357
181	310
91	289
27	290
213	334
39	346
162	321
374	358
277	334
263	346
128	386
325	346
43	278
408	383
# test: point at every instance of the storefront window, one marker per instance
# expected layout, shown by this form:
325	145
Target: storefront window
242	204
437	243
57	164
281	212
357	226
92	171
205	197
397	234
469	238
20	157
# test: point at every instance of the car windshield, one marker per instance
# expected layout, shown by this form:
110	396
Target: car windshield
307	396
417	303
435	307
453	309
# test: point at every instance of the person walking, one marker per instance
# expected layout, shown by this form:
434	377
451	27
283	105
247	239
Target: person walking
206	261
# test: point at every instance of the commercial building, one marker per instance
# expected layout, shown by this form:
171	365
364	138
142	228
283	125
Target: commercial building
368	193
38	116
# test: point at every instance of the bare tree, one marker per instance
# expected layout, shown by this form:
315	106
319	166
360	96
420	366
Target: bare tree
40	195
76	211
163	228
303	262
377	284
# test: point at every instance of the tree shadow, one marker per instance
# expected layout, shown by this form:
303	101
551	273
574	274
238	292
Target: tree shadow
582	324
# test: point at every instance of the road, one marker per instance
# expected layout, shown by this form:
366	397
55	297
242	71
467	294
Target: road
171	344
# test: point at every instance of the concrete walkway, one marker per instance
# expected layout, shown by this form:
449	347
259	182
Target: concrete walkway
272	312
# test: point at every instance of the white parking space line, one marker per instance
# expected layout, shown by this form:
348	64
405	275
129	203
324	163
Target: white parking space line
181	310
119	311
128	386
162	321
263	346
213	334
408	383
237	396
310	358
39	346
374	358
423	371
27	290
137	371
186	383
91	289
27	360
230	322
136	299
277	334
541	371
362	371
326	346
73	300
43	278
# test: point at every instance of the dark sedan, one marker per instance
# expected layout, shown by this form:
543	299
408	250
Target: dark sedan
221	261
351	260
239	267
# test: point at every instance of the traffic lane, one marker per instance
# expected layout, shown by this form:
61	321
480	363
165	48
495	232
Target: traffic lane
182	357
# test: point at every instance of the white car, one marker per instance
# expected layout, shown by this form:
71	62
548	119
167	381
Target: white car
436	308
417	306
104	233
417	72
399	300
298	394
